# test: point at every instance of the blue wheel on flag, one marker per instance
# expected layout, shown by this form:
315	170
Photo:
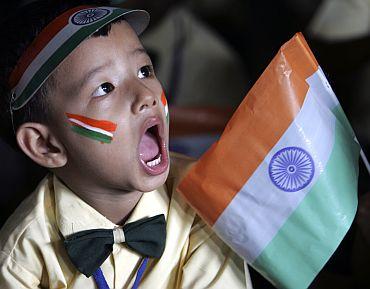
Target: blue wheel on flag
89	16
291	169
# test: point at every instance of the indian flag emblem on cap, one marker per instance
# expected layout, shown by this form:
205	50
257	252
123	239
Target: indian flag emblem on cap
90	15
165	104
57	40
100	130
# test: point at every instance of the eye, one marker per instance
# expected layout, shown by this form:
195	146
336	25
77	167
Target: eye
103	89
145	72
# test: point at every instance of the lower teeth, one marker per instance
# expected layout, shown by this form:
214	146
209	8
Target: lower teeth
155	162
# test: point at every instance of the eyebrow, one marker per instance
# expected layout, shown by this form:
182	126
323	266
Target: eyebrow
139	50
90	74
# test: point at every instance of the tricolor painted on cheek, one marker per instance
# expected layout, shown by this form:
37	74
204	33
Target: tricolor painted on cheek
100	130
165	104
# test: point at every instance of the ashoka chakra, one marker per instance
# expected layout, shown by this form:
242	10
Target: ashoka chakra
89	16
291	169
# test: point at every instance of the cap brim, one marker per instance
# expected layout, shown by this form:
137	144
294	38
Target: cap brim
48	62
138	20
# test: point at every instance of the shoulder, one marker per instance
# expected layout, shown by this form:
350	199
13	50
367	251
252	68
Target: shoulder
180	165
27	226
208	261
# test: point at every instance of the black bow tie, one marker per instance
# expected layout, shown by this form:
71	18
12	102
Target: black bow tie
89	249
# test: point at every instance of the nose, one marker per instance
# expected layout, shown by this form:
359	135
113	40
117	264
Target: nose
144	100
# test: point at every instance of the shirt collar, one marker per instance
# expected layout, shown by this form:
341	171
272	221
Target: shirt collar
74	215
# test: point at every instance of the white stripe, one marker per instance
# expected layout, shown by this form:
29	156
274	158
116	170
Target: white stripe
166	109
56	42
96	129
321	87
259	209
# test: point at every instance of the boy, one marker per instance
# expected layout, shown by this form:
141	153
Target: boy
84	102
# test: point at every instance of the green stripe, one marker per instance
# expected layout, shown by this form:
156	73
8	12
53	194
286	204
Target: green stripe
60	54
315	229
340	115
92	134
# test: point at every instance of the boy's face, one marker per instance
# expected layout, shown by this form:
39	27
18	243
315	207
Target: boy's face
110	78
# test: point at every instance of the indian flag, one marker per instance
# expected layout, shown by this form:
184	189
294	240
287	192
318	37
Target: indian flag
280	185
100	130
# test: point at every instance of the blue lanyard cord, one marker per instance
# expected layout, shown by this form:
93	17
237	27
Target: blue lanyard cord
140	273
102	283
100	280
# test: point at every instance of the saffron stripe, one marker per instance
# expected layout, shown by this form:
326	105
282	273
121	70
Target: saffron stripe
100	124
91	134
44	54
163	99
41	42
40	76
164	102
263	117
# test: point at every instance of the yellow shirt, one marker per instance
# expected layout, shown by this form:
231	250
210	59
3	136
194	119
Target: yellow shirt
33	256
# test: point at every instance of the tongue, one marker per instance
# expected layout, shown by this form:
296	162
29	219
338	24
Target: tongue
148	147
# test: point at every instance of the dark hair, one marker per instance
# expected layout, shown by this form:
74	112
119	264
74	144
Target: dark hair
23	21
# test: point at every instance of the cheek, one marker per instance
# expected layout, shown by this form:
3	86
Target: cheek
97	158
96	129
86	137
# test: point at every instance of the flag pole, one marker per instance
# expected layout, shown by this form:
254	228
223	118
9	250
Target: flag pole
365	160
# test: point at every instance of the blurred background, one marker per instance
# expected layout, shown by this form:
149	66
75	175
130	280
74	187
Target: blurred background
208	54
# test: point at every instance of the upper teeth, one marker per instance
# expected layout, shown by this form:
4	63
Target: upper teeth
154	162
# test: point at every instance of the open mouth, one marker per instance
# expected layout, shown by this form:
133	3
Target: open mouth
152	148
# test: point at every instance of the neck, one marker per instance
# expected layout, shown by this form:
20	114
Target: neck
115	207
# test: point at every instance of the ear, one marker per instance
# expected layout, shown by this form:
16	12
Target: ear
37	142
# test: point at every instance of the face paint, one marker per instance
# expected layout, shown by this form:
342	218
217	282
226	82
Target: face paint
100	130
165	104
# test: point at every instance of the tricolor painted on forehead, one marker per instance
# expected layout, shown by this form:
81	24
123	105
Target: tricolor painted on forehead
100	130
165	104
57	40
